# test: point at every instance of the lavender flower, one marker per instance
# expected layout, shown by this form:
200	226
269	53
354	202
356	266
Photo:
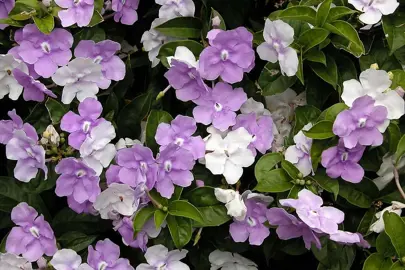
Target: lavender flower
8	84
373	11
176	8
349	238
33	89
12	262
219	106
7	128
125	11
229	55
106	255
85	207
159	257
33	237
5	7
67	259
74	11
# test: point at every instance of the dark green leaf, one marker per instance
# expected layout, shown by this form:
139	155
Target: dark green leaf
290	169
185	209
214	14
315	55
202	196
353	195
347	31
323	12
94	33
266	163
400	149
395	229
338	12
377	262
304	115
214	215
96	19
334	110
334	256
384	245
300	13
45	24
327	183
271	81
318	146
328	74
394	30
23	10
39	118
159	218
169	48
181	27
180	230
273	181
312	37
321	130
157	197
76	240
366	221
56	110
394	135
143	215
293	193
154	119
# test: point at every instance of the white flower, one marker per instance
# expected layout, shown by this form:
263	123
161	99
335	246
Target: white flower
8	84
117	198
152	41
374	83
10	261
396	208
183	54
252	105
159	257
215	22
50	136
229	155
80	79
66	259
233	202
124	143
176	8
230	261
278	36
300	153
374	9
386	171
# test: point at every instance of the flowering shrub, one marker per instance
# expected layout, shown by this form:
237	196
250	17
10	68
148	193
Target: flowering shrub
202	134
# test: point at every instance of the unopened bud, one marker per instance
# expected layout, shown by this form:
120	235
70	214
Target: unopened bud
308	182
302	182
390	75
300	175
374	66
216	22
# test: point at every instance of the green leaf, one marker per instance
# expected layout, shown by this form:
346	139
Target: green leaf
328	74
157	197
96	19
395	228
323	12
169	48
398	79
394	30
272	82
185	209
366	221
347	31
299	13
12	22
276	180
384	245
379	54
293	193
334	110
130	117
213	216
56	110
159	218
377	262
400	149
312	37
338	12
93	33
304	115
214	14
181	27
111	104
321	130
180	230
290	169
23	10
334	256
141	217
397	266
266	163
202	196
76	240
45	24
316	56
154	119
327	183
318	146
300	71
353	195
39	118
10	194
394	135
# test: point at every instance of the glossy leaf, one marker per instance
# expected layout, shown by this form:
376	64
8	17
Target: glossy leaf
185	209
321	130
275	180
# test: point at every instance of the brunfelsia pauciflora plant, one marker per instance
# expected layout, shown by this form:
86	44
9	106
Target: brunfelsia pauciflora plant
181	134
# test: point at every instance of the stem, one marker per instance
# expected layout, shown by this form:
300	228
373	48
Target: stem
106	17
154	202
396	176
50	85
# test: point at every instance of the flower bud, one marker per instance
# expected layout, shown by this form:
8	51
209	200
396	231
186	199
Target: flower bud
374	66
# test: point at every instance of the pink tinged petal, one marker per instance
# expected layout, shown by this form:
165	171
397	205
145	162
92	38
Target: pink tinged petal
288	61
67	17
90	108
45	67
353	172
238	232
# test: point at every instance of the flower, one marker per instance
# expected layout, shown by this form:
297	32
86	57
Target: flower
184	76
300	153
8	84
125	11
152	40
176	8
124	143
103	53
180	132
340	161
85	207
159	257
74	11
79	78
80	126
77	180
229	155
106	255
66	259
33	237
219	106
308	206
378	225
136	166
33	89
175	164
44	52
278	36
7	128
374	83
252	106
101	158
348	238
50	136
229	55
230	261
29	155
362	124
5	8
386	171
12	262
233	202
373	10
117	198
291	227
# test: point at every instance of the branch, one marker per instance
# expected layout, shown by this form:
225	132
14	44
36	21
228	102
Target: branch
396	176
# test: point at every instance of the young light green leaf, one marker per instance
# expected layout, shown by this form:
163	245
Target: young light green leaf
395	229
159	217
185	209
180	229
276	180
45	24
321	130
266	163
141	217
400	149
312	37
334	110
377	262
323	12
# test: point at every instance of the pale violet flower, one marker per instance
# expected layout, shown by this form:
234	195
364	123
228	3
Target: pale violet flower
176	8
386	171
373	10
80	79
125	143
374	83
396	208
67	259
50	136
9	261
229	155
159	257
300	153
8	84
152	40
278	36
230	261
183	54
233	202
116	199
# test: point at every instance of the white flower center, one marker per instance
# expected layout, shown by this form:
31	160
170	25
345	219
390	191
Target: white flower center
86	126
179	141
276	45
98	59
168	166
344	156
144	166
251	221
224	55
34	231
313	213
362	122
80	173
46	47
162	266
218	107
102	265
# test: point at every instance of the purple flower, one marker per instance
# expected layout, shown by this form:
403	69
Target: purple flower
180	132
348	238
77	180
79	12
106	255
159	257
219	106
340	161
136	166
125	11
5	7
103	53
85	207
33	89
29	155
252	226
174	164
308	206
260	128
44	52
362	124
79	126
33	237
291	227
229	56
7	128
